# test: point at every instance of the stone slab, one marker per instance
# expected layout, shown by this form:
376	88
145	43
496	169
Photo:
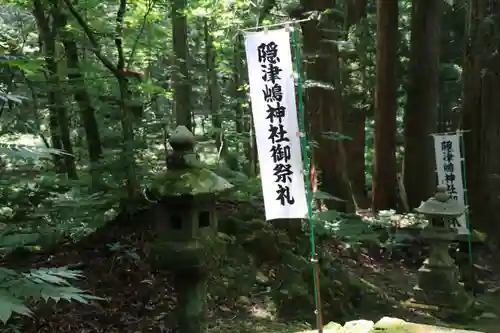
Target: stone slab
394	325
387	325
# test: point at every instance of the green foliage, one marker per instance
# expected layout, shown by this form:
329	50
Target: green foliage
38	284
348	227
355	230
16	289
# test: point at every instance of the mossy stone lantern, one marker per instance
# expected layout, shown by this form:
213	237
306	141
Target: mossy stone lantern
188	191
438	278
186	220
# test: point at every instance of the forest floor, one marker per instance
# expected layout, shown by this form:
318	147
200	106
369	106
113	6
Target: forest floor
141	300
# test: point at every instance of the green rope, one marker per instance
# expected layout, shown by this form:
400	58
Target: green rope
467	214
307	167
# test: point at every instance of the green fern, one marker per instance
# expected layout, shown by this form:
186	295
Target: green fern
5	97
16	289
25	151
37	284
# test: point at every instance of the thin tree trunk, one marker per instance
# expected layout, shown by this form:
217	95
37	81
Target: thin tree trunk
356	117
82	97
355	148
44	34
58	112
118	70
237	85
243	115
213	91
181	84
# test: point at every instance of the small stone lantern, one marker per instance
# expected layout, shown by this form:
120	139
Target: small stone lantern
438	278
186	222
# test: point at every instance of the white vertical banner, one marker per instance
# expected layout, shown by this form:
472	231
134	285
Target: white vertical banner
449	170
272	95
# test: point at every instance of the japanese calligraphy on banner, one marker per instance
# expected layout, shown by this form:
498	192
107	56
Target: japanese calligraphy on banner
272	95
449	170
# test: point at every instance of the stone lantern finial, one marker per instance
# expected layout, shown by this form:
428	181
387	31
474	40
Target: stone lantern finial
182	142
441	194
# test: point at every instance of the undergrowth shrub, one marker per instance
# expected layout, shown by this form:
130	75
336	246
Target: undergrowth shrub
32	206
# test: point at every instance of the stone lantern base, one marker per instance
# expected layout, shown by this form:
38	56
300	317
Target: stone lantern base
438	287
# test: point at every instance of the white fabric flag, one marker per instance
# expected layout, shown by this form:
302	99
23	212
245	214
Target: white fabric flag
449	170
272	95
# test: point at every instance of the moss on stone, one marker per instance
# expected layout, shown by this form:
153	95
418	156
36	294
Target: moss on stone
201	252
189	181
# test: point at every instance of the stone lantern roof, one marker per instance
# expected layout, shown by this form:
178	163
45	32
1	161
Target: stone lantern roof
441	205
185	176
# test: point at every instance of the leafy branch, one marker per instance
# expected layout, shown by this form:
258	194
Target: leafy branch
151	5
96	47
265	10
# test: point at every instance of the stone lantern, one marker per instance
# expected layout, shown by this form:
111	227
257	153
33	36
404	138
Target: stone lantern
438	278
186	224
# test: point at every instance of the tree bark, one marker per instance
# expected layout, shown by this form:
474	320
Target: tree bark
59	121
384	171
82	98
355	150
87	112
355	119
421	114
213	91
480	116
324	105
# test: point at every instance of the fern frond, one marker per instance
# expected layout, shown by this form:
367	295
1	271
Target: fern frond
38	284
6	97
10	305
28	152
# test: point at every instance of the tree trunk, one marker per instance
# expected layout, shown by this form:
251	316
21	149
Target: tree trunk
480	116
45	33
237	86
118	70
490	189
356	116
82	98
421	114
355	149
181	84
324	105
243	114
59	121
384	166
213	91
